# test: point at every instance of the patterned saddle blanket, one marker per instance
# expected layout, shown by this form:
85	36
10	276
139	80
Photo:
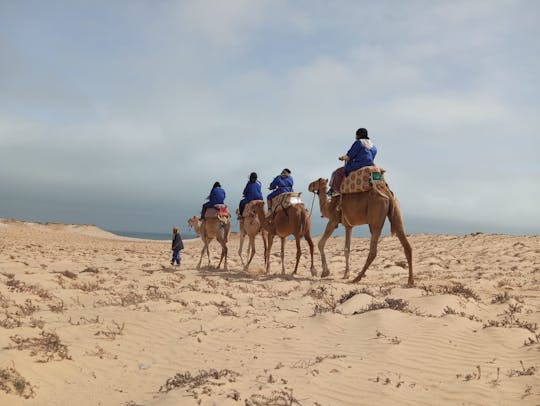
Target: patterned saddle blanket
362	180
285	200
219	210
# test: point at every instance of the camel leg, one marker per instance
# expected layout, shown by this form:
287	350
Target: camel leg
330	227
224	253
242	235
375	234
270	242
408	253
205	248
310	243
283	256
252	251
348	234
298	252
265	243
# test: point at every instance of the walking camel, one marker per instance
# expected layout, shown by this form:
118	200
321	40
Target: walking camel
250	225
293	220
210	228
354	209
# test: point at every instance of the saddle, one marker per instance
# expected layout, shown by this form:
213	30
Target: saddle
219	211
362	180
284	201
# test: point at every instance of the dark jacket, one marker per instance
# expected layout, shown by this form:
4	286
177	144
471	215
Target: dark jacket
177	243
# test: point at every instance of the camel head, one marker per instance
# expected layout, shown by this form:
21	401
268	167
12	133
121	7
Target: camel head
318	185
193	222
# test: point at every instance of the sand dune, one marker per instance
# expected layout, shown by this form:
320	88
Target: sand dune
89	318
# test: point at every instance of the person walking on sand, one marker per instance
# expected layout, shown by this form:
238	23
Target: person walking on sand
177	246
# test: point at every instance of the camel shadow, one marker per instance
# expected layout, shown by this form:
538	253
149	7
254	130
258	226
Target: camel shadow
242	276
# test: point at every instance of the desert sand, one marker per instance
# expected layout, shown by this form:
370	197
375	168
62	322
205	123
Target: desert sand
90	318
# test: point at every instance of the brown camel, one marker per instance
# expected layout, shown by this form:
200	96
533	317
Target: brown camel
354	209
293	220
250	225
209	229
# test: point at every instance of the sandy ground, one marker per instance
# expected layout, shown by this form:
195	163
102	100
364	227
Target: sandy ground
88	318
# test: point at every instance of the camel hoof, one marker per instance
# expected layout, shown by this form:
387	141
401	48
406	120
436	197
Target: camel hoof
313	272
357	279
410	282
325	273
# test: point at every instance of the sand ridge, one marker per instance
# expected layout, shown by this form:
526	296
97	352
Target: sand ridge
96	319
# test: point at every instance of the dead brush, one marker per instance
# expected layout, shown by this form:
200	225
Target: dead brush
305	364
388	303
501	298
26	309
47	347
455	288
58	306
18	286
510	320
325	300
86	286
459	289
523	372
11	381
155	293
190	383
112	333
224	309
10	321
283	397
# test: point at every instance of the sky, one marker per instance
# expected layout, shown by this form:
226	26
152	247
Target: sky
123	114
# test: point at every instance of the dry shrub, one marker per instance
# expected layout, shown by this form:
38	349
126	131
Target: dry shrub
501	298
277	398
224	309
18	286
309	363
456	289
325	300
68	274
84	321
10	321
155	293
112	333
388	303
86	286
48	346
510	320
11	381
189	382
57	307
449	310
523	372
459	289
26	309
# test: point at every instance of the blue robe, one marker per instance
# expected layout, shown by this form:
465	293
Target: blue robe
280	185
252	191
362	153
217	196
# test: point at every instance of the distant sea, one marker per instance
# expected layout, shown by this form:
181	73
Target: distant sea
150	236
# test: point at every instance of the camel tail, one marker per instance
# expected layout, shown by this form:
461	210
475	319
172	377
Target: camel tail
395	217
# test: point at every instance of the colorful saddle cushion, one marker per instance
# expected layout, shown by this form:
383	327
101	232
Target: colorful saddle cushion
362	179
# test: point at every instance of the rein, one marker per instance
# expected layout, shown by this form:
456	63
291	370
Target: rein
312	201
